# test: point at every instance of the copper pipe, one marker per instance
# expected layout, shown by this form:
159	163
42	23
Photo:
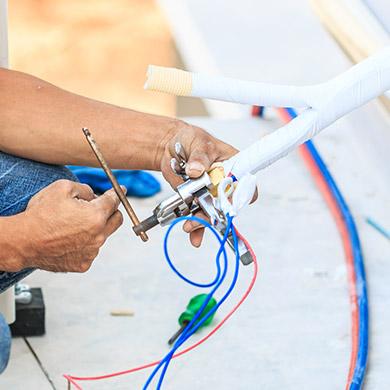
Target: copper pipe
131	213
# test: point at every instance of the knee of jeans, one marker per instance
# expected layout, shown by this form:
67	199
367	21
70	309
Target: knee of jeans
21	179
5	343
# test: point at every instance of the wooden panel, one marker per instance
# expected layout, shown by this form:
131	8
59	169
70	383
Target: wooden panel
354	27
93	48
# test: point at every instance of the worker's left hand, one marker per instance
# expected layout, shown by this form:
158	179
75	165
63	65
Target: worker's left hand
202	150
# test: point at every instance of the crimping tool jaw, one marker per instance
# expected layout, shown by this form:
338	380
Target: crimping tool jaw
182	203
192	196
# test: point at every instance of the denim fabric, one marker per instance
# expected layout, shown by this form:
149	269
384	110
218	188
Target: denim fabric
20	179
5	343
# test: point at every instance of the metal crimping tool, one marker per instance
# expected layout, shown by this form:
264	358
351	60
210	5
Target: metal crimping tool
192	196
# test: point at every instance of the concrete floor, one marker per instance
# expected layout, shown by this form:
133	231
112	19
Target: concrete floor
294	330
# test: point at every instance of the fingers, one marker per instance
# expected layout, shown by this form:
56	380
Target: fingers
190	226
199	148
82	191
204	151
196	237
92	250
173	179
196	230
113	223
255	195
107	203
198	162
71	189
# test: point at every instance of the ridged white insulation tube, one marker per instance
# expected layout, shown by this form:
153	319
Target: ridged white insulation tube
322	103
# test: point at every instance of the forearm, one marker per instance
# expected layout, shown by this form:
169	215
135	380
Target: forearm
43	122
12	243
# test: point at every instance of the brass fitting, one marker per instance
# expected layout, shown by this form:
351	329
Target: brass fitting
216	174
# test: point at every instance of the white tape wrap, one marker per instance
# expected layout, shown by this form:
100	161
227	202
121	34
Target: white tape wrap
242	194
323	103
274	146
248	92
328	102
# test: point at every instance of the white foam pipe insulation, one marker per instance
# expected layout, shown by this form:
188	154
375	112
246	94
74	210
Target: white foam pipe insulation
322	104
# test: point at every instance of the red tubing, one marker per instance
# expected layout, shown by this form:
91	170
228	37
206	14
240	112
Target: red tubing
343	230
74	379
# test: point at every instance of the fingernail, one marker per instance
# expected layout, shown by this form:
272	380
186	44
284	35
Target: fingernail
196	244
195	167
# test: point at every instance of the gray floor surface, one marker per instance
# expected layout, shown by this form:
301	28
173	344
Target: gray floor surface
294	330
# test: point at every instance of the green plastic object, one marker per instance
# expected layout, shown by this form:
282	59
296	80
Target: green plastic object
193	307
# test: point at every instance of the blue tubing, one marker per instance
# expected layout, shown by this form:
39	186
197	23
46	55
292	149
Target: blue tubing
361	283
220	276
187	335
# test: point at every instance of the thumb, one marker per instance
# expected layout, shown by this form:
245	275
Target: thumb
197	164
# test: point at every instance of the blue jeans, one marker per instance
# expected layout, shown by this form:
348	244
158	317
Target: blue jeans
5	343
20	179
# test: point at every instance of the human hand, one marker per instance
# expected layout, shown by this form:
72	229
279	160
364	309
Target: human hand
202	150
66	224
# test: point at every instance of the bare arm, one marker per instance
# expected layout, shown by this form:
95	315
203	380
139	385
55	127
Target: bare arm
43	122
12	252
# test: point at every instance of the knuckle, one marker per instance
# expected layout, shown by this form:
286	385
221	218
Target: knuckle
87	188
115	201
84	266
63	184
211	145
98	221
100	240
119	218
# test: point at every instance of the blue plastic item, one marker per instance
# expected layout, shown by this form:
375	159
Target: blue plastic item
138	183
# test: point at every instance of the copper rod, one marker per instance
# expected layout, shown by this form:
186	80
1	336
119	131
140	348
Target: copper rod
131	213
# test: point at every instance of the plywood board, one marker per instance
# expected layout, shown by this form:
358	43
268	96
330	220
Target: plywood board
355	27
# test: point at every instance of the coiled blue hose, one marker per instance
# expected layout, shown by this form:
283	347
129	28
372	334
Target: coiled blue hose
193	326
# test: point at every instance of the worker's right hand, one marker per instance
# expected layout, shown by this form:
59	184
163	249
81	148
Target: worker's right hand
66	224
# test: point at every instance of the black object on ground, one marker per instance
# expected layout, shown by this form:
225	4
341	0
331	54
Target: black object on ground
30	318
